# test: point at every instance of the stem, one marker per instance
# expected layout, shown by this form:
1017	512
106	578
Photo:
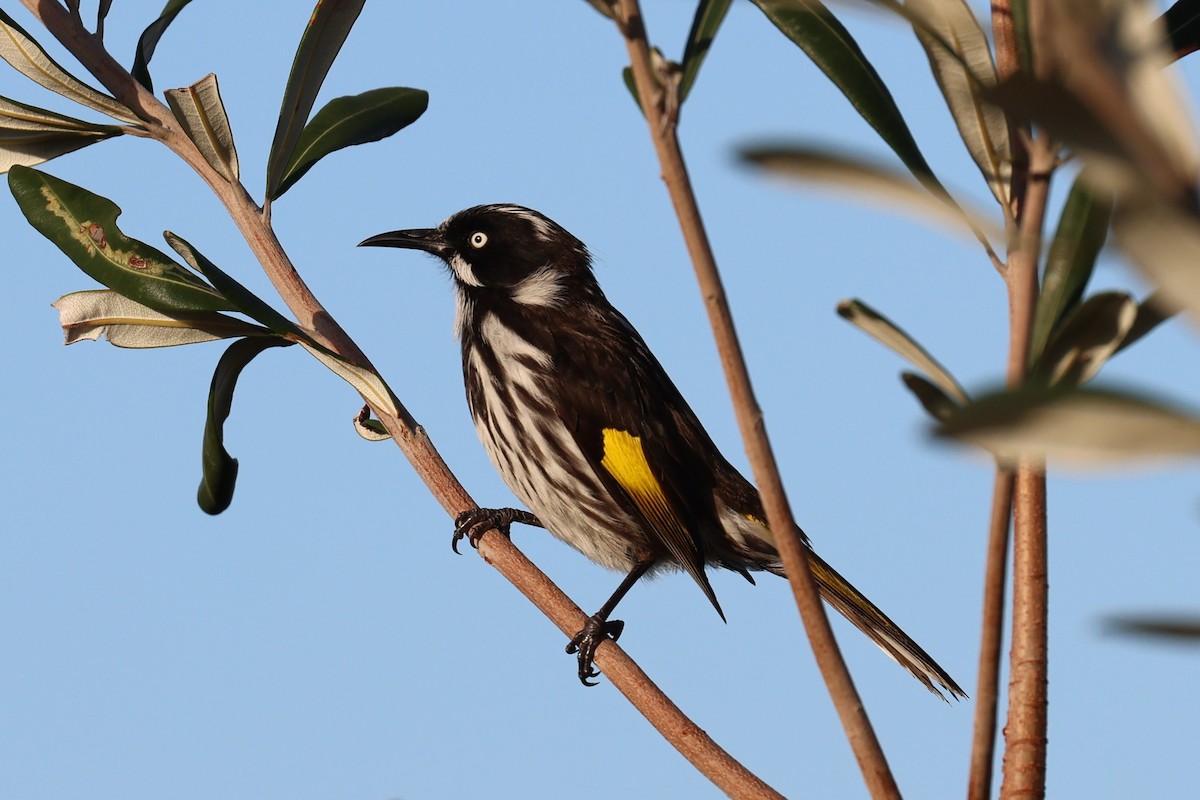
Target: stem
692	742
987	687
661	122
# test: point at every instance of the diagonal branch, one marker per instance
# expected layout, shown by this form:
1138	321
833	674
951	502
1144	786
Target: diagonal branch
692	742
660	114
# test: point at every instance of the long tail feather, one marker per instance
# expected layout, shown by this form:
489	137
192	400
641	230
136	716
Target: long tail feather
854	606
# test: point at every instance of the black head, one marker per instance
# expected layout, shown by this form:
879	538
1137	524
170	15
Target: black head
502	249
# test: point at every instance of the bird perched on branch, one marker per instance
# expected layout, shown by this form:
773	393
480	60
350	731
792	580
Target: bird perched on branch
588	431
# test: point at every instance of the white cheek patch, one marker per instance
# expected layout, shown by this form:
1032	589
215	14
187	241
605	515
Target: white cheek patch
463	271
542	288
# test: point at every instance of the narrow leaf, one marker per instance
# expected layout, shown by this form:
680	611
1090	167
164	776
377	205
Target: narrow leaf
326	32
1152	312
882	329
1078	427
202	114
19	116
931	396
368	428
366	383
1082	229
709	16
84	226
238	295
346	121
28	58
88	315
148	41
1182	23
869	181
1183	628
28	148
960	73
814	28
1088	337
220	469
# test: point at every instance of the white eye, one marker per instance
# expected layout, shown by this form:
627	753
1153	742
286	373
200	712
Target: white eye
477	239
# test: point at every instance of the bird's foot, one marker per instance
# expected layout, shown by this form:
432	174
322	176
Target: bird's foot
587	640
474	523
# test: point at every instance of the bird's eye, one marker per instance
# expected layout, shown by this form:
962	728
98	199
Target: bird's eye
477	239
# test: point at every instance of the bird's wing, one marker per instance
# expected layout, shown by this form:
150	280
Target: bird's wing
622	409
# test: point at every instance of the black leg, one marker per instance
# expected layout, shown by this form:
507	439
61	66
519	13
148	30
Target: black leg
474	523
598	627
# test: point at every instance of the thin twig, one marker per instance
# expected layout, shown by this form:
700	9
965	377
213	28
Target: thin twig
991	640
661	122
692	742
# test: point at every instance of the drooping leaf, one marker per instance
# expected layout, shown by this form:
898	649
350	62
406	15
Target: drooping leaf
346	121
366	383
1151	312
368	428
238	295
323	37
961	72
125	323
1087	337
883	330
202	114
1184	628
84	226
30	135
932	397
219	468
709	16
814	28
27	56
1079	427
1182	23
869	181
148	41
1082	229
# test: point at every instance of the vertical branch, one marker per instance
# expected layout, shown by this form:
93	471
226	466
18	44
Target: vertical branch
659	109
987	686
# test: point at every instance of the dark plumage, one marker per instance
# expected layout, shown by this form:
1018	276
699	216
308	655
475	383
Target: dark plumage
590	433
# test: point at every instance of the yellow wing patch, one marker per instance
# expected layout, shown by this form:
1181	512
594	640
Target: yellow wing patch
626	461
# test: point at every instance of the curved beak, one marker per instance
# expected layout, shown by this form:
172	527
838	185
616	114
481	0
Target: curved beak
428	239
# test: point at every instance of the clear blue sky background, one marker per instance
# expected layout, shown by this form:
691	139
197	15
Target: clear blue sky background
320	640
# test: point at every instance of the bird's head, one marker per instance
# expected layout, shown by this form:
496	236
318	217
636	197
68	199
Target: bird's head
504	250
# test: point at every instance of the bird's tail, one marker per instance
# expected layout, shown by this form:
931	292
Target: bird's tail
854	606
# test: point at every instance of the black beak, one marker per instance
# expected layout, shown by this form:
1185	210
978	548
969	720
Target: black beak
428	239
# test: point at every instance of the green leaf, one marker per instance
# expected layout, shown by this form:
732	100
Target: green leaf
815	29
1176	627
326	33
962	64
202	114
931	396
882	329
709	16
1151	312
1020	16
84	226
1087	338
27	56
1082	229
869	181
220	469
88	315
1080	427
30	135
148	41
370	429
346	121
238	295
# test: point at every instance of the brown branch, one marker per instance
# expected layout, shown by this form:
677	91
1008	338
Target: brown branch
661	121
692	742
987	687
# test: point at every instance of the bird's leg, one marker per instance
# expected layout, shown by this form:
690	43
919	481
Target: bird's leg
475	522
599	628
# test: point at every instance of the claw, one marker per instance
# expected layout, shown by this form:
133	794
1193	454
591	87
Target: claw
586	642
475	522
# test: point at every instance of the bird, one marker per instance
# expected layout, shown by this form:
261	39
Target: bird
590	433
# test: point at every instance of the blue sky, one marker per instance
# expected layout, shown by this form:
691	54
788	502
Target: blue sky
319	639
